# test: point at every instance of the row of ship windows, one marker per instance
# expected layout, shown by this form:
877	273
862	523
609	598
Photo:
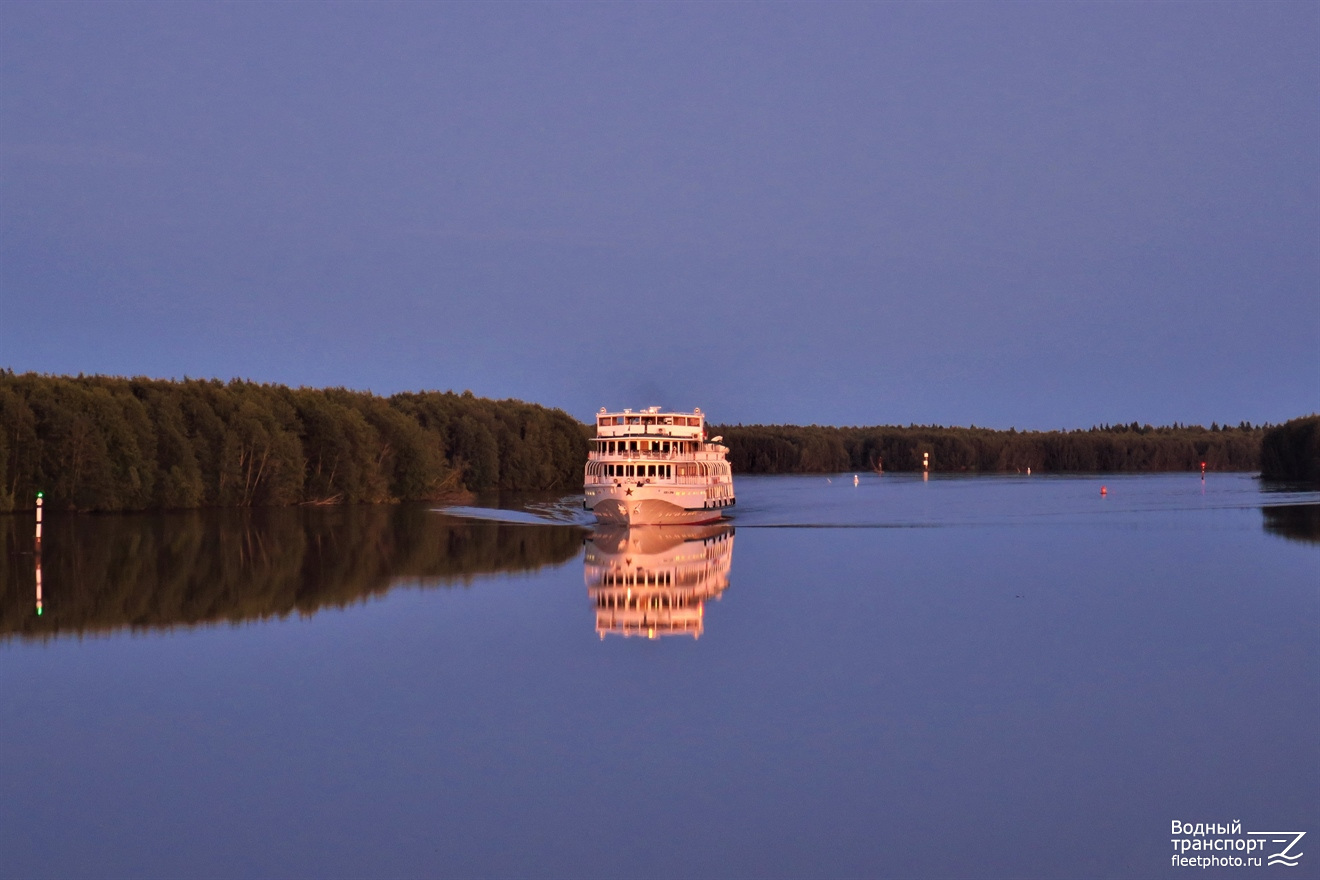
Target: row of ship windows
633	603
688	578
689	421
661	471
622	446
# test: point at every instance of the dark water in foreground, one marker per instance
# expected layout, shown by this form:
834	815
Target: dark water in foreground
983	677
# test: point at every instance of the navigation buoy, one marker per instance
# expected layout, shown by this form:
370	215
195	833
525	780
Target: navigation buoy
1104	491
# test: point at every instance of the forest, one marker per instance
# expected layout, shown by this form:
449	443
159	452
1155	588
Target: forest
1291	451
97	443
782	449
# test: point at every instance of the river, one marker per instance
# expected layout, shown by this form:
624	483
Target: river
979	676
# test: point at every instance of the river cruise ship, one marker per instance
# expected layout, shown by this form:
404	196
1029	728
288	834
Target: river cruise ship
656	468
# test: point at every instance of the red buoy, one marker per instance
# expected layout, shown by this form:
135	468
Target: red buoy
1104	491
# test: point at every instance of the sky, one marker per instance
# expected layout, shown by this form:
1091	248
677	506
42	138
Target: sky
1038	215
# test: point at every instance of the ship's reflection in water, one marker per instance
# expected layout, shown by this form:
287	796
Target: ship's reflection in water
653	581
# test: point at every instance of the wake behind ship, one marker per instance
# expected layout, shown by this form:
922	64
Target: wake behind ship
656	468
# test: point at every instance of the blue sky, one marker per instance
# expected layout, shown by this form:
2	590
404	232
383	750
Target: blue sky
1041	215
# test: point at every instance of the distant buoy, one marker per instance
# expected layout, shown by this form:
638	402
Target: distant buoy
1104	491
854	479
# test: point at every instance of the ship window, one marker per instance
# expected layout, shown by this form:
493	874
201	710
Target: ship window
632	445
650	470
664	447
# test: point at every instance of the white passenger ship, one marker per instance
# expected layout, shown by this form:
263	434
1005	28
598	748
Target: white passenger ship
656	468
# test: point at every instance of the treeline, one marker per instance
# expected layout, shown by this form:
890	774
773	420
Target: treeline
1291	451
111	444
144	571
782	449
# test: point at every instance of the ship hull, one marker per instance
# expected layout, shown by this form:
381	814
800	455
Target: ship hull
651	512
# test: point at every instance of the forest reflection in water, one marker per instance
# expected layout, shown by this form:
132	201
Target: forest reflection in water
103	573
1297	522
152	571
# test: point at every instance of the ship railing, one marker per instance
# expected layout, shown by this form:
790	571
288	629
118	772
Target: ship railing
640	455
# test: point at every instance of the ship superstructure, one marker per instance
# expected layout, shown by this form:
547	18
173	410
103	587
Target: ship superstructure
656	468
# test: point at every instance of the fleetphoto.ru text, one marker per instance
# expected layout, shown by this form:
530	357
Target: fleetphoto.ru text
1226	845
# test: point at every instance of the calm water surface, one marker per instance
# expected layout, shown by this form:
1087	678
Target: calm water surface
975	677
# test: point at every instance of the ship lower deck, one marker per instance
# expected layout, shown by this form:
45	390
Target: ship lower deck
652	512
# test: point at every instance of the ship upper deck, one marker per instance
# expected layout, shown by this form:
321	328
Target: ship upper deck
651	422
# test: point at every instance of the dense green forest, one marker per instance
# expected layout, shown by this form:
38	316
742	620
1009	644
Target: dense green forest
107	444
112	444
194	567
1291	451
781	449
